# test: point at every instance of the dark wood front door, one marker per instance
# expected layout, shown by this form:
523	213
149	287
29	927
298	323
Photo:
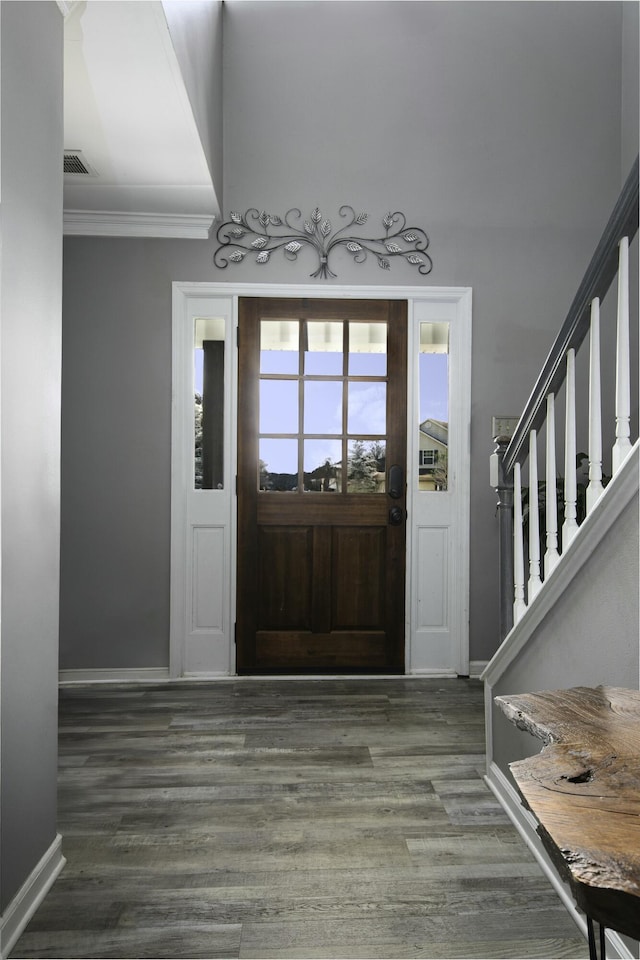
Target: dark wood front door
321	486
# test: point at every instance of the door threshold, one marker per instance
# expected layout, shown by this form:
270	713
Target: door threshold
341	676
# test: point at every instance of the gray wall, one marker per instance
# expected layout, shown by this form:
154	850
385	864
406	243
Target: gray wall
630	84
31	289
116	457
475	119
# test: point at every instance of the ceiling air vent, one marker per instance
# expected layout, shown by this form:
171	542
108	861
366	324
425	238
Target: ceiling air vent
75	163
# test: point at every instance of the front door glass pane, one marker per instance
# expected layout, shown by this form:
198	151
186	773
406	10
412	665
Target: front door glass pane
366	467
367	349
322	466
433	426
367	407
279	346
278	406
323	406
323	347
278	467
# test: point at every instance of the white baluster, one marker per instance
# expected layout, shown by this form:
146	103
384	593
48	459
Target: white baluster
534	522
551	556
519	606
623	392
570	525
595	487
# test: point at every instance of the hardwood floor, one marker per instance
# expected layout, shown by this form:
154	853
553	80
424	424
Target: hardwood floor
288	818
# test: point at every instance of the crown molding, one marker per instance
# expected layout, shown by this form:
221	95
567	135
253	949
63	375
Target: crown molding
107	223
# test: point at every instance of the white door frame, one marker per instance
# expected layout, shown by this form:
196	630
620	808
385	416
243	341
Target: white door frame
203	523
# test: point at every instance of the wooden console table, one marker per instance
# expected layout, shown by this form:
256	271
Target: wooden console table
583	788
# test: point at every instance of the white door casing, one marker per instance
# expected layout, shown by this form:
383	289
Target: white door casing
203	522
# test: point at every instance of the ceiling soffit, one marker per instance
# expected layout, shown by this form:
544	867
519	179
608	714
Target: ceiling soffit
128	113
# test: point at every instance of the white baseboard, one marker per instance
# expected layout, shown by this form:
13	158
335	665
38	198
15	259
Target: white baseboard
434	674
525	823
161	675
121	675
30	896
477	668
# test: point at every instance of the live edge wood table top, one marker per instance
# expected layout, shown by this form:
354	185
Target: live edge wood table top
584	790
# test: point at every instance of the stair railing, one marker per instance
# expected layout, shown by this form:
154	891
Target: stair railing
522	578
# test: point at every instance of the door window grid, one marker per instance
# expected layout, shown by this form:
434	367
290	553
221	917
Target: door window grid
345	394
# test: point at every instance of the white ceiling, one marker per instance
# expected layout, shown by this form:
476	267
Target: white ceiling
126	108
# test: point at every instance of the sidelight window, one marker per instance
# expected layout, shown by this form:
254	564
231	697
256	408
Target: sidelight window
433	423
208	374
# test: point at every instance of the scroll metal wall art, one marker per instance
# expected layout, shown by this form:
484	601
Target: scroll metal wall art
263	234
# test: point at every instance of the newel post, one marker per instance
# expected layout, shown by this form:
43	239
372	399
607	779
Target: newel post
503	485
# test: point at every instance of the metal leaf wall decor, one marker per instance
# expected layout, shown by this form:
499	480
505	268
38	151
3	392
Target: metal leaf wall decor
261	234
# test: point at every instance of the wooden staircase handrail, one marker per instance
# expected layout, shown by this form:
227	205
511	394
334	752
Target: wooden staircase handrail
599	275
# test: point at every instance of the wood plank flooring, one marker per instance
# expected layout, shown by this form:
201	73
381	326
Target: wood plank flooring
262	818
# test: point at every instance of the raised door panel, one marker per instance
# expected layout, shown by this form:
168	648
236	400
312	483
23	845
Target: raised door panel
358	564
433	564
285	576
207	601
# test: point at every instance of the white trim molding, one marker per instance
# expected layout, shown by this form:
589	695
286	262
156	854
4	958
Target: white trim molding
67	7
107	223
526	824
203	643
435	674
30	896
477	668
114	675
